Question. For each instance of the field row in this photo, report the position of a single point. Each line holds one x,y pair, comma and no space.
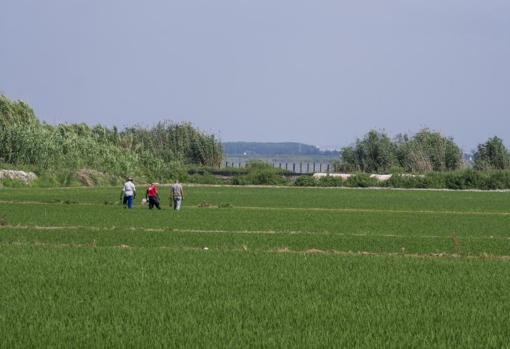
232,242
277,197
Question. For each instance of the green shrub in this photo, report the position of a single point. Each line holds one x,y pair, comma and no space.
157,153
240,180
330,181
467,179
361,180
260,173
456,180
45,181
305,181
425,151
492,155
497,180
13,183
435,180
407,181
205,178
208,170
264,177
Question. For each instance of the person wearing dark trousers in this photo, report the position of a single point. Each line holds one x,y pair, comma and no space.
128,193
152,196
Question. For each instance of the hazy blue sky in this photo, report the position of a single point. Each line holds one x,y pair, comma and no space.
319,71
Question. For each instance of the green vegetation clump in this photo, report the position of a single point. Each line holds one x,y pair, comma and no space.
206,178
492,155
361,180
305,181
496,180
409,181
424,152
12,183
465,179
77,154
260,173
159,153
330,182
461,179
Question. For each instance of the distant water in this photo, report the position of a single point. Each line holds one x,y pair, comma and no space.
294,163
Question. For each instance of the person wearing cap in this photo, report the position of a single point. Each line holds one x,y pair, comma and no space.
177,195
128,193
152,196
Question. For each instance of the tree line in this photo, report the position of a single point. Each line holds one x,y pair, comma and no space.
159,152
426,151
167,149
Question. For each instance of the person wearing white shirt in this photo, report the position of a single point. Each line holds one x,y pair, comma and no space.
128,193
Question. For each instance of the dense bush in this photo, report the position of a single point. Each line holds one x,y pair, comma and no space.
224,171
497,180
12,183
428,151
424,152
408,181
206,178
305,181
361,180
259,172
461,180
492,155
373,153
465,179
160,152
330,181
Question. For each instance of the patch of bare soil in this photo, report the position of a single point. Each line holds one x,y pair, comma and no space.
85,177
315,250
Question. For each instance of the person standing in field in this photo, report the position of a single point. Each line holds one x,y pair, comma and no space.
128,193
152,196
177,195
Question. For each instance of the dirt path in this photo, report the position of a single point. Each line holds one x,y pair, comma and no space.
285,250
222,231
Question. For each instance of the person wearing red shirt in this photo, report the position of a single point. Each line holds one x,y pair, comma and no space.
152,196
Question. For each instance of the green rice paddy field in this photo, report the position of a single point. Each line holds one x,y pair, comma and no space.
255,267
